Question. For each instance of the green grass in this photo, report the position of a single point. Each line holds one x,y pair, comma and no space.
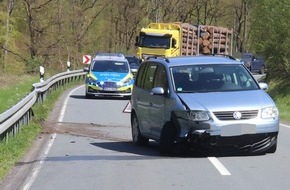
17,146
280,92
15,149
14,88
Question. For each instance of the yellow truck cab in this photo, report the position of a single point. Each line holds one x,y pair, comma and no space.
159,39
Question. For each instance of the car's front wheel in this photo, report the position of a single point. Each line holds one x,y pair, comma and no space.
89,96
166,143
273,146
137,137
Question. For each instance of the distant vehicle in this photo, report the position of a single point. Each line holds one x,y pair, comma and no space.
109,75
199,101
134,63
255,64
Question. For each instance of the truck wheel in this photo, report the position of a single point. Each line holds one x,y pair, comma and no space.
137,137
166,143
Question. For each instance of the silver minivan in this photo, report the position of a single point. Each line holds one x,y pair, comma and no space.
210,101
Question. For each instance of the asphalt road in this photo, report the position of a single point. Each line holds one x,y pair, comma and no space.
89,147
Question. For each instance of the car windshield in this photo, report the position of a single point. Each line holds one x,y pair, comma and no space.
133,62
110,66
208,78
247,56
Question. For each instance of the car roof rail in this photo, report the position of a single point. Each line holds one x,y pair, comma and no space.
157,57
223,55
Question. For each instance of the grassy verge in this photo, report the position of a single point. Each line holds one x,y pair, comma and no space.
13,88
279,91
13,151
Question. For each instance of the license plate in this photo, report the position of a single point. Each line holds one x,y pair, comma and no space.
238,129
110,89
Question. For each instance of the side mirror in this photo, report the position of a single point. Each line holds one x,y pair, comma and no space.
137,41
263,85
173,42
86,69
157,91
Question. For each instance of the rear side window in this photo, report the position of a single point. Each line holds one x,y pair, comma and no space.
140,75
149,77
161,78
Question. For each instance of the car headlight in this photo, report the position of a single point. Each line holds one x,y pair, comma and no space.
124,83
198,116
92,81
270,112
120,83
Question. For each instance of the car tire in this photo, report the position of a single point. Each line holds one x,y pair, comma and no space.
137,137
166,142
89,96
273,147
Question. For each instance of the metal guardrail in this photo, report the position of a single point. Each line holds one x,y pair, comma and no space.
20,114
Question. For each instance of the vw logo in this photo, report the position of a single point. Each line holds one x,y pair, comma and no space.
237,115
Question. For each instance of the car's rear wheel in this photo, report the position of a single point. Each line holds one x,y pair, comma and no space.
166,143
137,137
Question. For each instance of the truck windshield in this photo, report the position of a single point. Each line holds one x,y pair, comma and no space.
154,41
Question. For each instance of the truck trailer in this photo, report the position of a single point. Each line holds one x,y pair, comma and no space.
183,39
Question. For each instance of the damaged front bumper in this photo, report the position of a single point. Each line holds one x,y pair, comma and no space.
248,143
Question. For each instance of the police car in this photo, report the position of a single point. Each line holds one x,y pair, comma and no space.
109,75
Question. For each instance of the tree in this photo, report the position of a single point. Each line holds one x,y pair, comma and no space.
126,19
270,35
78,26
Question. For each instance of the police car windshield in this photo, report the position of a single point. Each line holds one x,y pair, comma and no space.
110,66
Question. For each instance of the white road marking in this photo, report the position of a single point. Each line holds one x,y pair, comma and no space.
127,109
219,166
62,111
36,170
283,125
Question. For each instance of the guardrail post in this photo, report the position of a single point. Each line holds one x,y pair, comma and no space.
41,73
68,65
